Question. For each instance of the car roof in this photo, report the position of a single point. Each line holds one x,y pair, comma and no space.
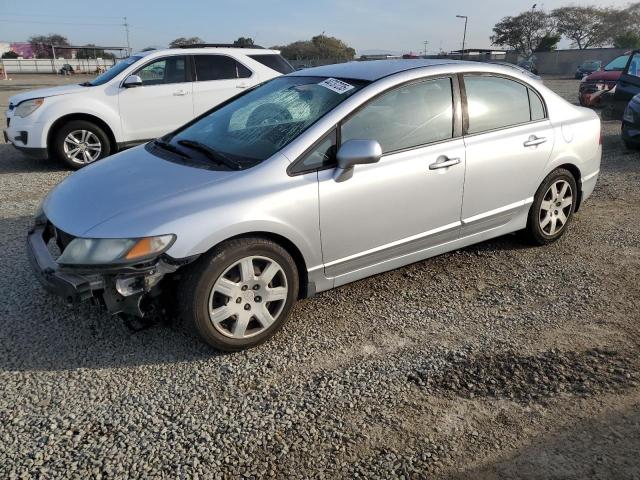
373,70
196,50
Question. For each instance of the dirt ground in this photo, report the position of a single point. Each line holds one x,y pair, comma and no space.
497,361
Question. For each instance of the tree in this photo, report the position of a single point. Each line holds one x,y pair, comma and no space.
585,26
182,41
523,32
41,44
10,54
244,42
93,52
627,39
319,47
548,43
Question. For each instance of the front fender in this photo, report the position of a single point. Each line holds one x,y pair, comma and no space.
67,105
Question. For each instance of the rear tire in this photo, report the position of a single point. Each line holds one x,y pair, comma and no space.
240,294
79,142
552,208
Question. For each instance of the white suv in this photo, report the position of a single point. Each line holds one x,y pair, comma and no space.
141,97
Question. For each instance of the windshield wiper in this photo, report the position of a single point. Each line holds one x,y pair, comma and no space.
86,84
211,153
170,147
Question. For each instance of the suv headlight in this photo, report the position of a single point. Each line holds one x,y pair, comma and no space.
27,107
105,251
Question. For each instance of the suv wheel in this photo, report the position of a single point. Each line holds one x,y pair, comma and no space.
553,207
240,294
79,143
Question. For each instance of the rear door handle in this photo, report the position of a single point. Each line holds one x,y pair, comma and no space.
179,93
242,85
444,162
533,141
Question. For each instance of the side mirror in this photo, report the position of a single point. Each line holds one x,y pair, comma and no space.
355,152
132,81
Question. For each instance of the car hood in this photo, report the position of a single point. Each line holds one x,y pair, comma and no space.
130,180
602,75
47,92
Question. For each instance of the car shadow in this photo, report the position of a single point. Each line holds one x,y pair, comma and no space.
603,447
41,333
13,161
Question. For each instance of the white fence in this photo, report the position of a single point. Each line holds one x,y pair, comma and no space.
49,65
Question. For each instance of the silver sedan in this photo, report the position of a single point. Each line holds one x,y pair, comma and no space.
314,180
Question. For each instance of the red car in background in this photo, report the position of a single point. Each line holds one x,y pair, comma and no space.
594,85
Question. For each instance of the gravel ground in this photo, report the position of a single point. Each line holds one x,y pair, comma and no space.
497,361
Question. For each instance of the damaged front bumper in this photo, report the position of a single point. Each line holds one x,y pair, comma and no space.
121,289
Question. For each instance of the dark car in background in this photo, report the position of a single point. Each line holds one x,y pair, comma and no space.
529,65
599,83
627,87
587,68
631,124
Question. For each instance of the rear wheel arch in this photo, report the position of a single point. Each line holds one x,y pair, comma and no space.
575,171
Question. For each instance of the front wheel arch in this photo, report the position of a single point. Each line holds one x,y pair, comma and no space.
305,289
55,126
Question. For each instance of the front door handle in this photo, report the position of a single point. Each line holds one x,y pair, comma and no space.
242,85
179,93
533,141
444,162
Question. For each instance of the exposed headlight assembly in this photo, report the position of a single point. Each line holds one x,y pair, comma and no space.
26,108
106,251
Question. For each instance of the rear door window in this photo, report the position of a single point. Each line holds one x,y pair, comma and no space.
274,62
495,102
219,67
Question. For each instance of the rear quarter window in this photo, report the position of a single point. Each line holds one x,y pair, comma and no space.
274,62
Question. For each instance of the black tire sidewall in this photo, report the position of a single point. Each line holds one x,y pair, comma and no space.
533,225
62,132
196,288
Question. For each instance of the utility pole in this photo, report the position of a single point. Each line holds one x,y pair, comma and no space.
425,47
126,29
464,35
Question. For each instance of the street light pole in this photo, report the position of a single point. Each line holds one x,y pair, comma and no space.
464,35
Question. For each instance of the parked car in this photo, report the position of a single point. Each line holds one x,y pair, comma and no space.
627,86
139,98
314,180
518,68
599,83
66,69
529,65
631,124
587,68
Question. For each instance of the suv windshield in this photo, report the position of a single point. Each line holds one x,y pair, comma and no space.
113,71
254,126
617,64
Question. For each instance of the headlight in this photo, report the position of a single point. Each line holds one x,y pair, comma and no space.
103,251
27,107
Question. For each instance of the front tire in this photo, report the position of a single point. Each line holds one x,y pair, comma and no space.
552,208
79,143
240,294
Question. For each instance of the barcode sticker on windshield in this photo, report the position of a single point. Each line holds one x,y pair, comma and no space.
336,85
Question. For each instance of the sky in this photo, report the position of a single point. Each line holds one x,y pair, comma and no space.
366,25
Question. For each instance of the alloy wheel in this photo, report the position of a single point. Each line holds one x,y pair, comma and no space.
82,146
555,208
248,297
